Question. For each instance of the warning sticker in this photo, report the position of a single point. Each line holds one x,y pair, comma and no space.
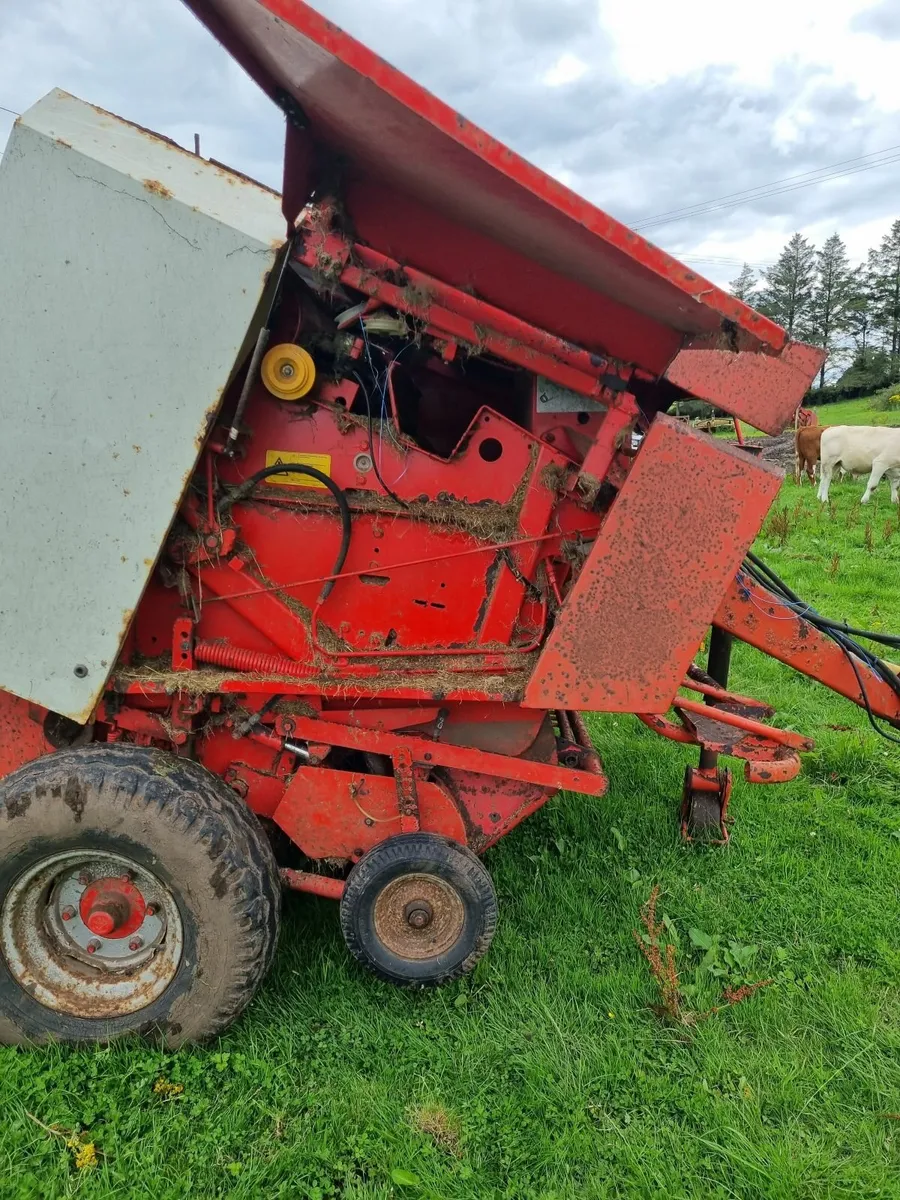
277,458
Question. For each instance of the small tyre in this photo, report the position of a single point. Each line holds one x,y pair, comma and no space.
138,894
419,910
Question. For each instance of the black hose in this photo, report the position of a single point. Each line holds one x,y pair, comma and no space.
246,488
886,639
842,634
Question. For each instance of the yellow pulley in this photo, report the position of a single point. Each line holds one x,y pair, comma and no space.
288,371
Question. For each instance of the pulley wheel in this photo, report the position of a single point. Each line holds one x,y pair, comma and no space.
288,372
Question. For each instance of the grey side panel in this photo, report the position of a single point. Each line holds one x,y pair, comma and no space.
130,272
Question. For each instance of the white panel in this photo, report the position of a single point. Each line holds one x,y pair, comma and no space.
130,274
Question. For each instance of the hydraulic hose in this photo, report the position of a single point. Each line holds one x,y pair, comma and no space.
248,486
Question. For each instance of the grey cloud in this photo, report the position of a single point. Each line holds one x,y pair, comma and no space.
883,20
635,151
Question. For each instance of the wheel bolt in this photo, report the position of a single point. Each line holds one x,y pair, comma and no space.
135,943
151,910
93,947
127,877
84,879
68,913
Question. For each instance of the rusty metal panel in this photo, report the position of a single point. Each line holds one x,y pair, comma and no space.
655,577
757,388
130,274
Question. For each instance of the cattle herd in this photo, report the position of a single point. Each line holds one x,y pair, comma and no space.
857,450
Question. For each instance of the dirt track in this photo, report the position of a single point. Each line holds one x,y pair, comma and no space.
778,449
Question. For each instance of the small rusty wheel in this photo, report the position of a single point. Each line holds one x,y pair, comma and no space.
419,910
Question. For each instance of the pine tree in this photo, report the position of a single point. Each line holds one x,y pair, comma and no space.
745,285
789,285
860,309
834,291
885,284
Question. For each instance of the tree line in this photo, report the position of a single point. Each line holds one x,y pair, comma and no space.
852,312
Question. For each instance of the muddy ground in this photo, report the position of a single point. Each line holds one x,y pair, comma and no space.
779,450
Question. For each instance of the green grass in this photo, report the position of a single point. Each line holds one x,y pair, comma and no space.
547,1074
843,412
856,412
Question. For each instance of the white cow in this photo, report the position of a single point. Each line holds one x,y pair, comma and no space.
859,449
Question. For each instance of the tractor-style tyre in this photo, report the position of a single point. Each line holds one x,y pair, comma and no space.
138,894
419,910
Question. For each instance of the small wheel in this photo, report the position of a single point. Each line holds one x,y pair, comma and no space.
138,894
419,910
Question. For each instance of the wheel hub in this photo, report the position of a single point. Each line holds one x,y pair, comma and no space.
91,934
419,916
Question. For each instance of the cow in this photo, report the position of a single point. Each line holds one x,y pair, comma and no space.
808,440
861,448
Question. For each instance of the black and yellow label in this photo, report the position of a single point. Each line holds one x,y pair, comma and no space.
277,458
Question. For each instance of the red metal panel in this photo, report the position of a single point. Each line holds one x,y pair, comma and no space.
390,130
761,390
674,538
341,814
21,732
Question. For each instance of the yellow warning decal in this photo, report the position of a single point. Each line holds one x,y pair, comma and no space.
277,458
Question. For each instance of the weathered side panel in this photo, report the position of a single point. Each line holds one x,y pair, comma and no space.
654,579
130,271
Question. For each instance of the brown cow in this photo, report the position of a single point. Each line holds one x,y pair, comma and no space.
809,449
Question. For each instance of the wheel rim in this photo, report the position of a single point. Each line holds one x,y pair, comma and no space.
419,916
91,934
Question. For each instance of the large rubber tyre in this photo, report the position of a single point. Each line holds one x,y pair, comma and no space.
178,824
445,880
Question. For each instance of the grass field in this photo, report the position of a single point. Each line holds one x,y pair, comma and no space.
547,1074
843,412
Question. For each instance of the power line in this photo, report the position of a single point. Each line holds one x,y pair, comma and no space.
643,227
11,111
725,262
763,191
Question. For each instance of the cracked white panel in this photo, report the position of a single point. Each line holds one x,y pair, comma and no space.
130,275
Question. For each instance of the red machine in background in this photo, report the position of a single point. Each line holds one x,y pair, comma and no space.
420,541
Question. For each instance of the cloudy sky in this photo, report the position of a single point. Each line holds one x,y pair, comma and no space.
639,107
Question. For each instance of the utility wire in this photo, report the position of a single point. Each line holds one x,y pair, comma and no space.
12,112
764,191
774,183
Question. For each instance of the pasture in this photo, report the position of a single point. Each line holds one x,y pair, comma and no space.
548,1074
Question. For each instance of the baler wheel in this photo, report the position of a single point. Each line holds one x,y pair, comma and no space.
419,910
138,894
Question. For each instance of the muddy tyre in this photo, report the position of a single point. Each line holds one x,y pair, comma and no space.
138,894
419,910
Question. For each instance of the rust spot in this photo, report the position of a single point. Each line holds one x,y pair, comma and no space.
63,142
157,188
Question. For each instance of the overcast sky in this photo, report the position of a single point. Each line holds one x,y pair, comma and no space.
639,106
